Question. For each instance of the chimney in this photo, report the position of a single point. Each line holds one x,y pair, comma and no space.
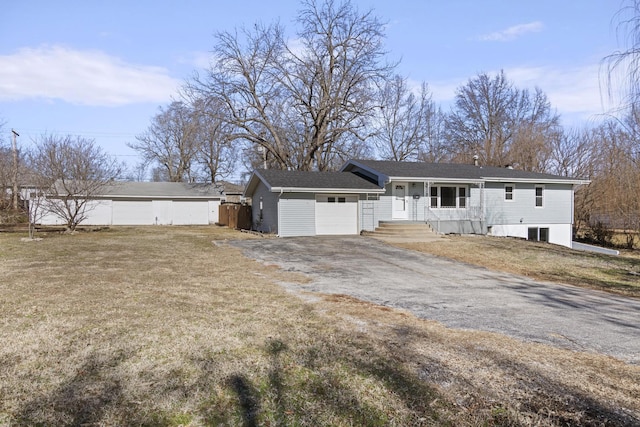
475,160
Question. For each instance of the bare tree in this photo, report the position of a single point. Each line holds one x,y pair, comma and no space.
71,171
170,142
303,102
5,169
436,148
612,200
623,66
536,126
501,124
572,154
216,155
405,121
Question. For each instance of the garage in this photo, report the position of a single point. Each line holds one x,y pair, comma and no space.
132,212
306,203
152,203
190,212
336,214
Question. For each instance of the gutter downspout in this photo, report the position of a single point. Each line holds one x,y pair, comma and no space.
279,216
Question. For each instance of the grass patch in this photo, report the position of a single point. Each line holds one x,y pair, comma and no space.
160,326
617,274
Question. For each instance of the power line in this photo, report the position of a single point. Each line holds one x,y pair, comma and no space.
102,134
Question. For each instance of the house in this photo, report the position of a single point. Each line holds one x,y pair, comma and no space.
452,198
151,203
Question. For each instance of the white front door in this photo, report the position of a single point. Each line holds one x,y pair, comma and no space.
400,200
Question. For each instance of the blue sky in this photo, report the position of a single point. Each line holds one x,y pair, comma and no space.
101,69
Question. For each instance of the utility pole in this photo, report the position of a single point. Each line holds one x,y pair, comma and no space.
15,170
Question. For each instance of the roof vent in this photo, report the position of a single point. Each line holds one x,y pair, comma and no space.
475,160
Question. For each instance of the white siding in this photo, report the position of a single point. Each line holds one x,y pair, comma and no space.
296,215
214,211
132,212
145,212
98,212
162,212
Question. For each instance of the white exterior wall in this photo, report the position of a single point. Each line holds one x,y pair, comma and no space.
132,213
162,212
214,211
145,212
98,212
559,234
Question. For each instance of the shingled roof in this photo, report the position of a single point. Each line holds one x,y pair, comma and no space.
303,180
177,190
449,171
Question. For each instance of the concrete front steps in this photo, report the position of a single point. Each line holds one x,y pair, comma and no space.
405,231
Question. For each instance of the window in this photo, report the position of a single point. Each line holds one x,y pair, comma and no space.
448,197
434,197
538,234
331,199
462,197
508,192
342,200
544,235
539,196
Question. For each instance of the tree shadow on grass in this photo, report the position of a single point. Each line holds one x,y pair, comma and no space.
558,402
248,399
540,396
82,400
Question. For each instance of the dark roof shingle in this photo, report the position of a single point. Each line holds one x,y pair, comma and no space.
451,171
320,180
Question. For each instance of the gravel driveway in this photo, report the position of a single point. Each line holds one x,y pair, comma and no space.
457,294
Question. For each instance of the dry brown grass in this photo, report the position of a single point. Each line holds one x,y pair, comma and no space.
618,274
158,326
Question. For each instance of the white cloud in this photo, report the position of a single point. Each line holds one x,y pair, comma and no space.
201,60
513,32
575,92
87,77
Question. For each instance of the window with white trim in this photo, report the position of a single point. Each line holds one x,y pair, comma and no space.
539,196
508,192
433,197
448,197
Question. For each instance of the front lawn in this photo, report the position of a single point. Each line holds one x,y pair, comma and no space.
160,326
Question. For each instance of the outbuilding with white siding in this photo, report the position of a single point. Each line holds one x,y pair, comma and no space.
150,203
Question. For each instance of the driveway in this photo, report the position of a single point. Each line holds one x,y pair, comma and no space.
457,294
